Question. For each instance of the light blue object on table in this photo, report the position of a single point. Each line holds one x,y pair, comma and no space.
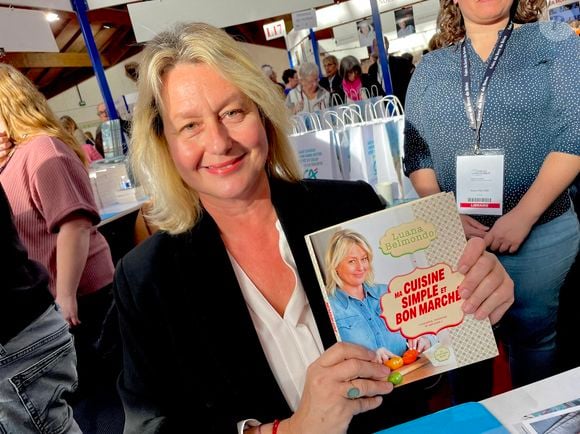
468,418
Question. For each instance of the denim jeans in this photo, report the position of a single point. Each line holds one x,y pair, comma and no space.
538,270
37,371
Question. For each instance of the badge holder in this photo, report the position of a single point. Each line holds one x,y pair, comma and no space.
479,181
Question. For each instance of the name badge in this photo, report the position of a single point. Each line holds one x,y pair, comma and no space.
480,183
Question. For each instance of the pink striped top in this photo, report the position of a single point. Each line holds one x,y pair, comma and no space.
45,182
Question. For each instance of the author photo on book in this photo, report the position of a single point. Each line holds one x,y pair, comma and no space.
355,299
223,301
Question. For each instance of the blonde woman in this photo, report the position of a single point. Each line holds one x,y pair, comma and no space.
46,181
210,146
355,298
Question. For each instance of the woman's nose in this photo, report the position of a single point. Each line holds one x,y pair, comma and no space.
218,140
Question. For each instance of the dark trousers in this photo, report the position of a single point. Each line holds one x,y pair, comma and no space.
92,309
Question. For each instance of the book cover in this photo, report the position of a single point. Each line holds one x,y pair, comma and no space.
389,283
566,421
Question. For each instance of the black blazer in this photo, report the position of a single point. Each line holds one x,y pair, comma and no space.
186,329
334,87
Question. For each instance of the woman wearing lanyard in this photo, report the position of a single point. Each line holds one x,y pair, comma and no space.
493,117
308,96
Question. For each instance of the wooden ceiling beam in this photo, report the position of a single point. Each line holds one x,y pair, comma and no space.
51,60
68,34
115,17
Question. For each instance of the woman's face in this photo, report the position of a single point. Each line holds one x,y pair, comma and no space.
215,134
310,83
354,267
293,81
484,12
351,75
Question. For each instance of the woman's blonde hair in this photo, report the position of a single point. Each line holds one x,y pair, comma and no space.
338,247
451,28
175,205
26,112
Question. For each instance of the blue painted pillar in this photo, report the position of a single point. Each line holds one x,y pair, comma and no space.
383,55
314,43
80,7
290,62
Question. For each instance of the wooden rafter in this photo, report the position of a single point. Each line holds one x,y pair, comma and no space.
50,60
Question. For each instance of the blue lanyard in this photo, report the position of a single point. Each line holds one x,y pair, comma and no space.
475,114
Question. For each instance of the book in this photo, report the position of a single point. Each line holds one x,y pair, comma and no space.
467,418
410,285
565,421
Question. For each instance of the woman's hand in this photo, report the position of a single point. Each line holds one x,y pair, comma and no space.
420,344
509,231
325,406
383,354
472,227
486,290
69,309
5,144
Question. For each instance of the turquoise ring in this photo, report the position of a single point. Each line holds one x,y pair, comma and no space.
353,393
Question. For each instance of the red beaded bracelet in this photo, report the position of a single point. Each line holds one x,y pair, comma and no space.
275,426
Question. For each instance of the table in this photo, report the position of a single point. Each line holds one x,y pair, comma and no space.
510,407
114,212
118,227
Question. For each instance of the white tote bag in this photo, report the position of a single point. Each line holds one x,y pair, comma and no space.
316,152
389,111
361,149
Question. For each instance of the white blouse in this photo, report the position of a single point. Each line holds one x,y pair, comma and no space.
290,343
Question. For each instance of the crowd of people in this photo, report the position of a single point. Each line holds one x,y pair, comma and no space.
209,145
345,82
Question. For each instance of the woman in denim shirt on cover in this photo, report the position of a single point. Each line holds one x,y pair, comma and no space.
355,299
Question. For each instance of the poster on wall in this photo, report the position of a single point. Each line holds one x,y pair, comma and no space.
366,32
565,11
405,21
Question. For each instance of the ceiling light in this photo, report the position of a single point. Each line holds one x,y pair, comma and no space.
51,17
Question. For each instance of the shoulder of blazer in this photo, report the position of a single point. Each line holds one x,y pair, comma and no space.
320,203
164,251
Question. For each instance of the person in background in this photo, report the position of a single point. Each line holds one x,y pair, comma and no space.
357,86
271,74
366,33
89,138
308,96
46,181
405,27
536,232
290,79
104,117
71,126
37,355
400,71
332,82
210,145
355,299
407,56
